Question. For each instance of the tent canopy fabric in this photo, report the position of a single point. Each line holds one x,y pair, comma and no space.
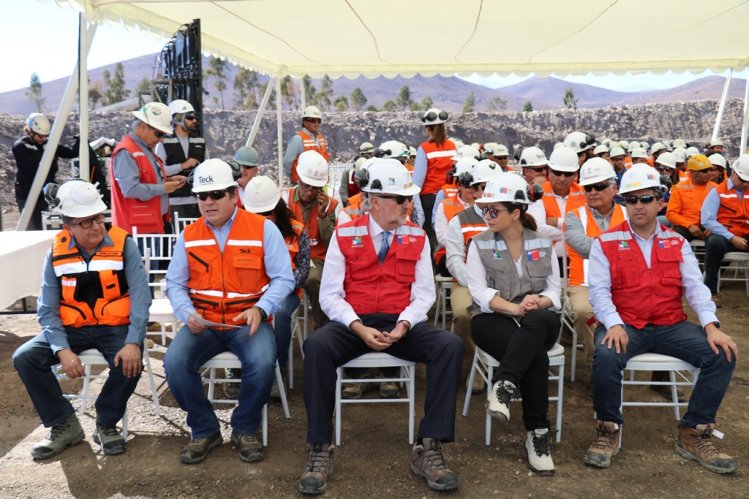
396,37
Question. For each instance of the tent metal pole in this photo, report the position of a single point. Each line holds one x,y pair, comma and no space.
260,113
303,90
83,160
66,105
745,123
722,104
279,126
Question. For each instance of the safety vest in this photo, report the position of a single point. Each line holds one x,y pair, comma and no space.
575,199
687,198
578,275
224,284
450,190
93,293
309,144
293,246
371,287
439,162
640,294
452,206
132,212
354,209
683,176
318,249
471,224
175,154
733,213
501,272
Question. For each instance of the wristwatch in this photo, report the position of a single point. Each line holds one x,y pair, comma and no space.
717,324
263,314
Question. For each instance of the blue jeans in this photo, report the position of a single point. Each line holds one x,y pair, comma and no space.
189,351
283,328
34,359
683,340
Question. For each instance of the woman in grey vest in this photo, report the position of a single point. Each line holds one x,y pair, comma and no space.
513,277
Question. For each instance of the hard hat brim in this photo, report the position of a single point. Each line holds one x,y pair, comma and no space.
310,181
142,117
214,187
84,211
263,208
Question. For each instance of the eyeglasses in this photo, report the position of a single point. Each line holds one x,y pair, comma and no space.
602,186
158,133
215,195
308,187
398,199
431,116
644,199
492,212
190,117
313,120
479,187
88,222
565,174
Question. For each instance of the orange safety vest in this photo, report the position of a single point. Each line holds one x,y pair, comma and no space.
84,303
131,212
309,144
575,199
685,202
439,162
683,176
452,206
354,210
450,189
640,294
733,214
224,284
578,275
318,249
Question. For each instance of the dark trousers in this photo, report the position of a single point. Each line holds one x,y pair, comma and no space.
34,359
521,352
427,204
683,232
334,344
716,248
35,222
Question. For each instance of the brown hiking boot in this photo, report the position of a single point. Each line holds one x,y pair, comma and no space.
716,300
428,463
605,446
695,444
319,466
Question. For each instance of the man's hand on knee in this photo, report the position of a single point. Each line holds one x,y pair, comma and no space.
130,358
616,337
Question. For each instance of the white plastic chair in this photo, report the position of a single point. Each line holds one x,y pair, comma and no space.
181,222
442,308
484,364
377,360
698,248
737,261
227,360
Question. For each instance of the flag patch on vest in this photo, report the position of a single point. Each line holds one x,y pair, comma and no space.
534,255
356,242
623,245
664,243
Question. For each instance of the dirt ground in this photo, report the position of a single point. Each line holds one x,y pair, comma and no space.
373,460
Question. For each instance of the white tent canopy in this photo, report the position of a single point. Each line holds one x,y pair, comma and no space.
397,37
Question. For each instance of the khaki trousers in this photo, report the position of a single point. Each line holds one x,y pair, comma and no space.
582,313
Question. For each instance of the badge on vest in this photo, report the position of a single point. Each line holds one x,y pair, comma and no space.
356,242
664,243
497,255
535,255
623,245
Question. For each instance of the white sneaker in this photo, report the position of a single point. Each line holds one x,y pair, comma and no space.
498,401
538,447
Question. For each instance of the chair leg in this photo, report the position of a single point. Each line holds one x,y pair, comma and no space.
282,391
338,405
560,402
674,395
124,425
290,364
265,425
84,390
411,388
469,383
488,422
152,383
573,356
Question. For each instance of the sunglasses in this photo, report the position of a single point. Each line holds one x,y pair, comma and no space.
431,116
644,199
87,223
158,133
190,117
598,187
563,174
537,169
398,199
215,195
492,212
479,187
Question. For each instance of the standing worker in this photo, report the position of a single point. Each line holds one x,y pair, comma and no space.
308,138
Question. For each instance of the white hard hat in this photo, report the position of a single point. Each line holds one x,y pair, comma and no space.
563,159
658,146
666,159
366,147
680,154
157,115
679,143
465,165
411,151
261,195
180,106
624,144
312,168
718,160
311,112
457,142
715,142
634,145
741,167
691,151
506,187
579,141
485,170
434,116
38,123
78,199
557,145
500,150
616,151
212,175
639,152
389,176
600,149
640,176
596,170
466,151
533,156
393,149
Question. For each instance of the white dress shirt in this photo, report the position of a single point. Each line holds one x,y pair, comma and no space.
538,211
440,221
456,249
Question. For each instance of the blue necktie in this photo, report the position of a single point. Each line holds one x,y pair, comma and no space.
384,247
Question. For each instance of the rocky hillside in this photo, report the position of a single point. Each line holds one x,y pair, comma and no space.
226,131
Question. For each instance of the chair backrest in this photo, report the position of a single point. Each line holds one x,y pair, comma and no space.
156,250
181,222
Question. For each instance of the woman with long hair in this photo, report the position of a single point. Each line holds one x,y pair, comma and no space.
513,277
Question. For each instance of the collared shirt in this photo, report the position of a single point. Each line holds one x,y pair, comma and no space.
483,295
709,211
599,282
333,297
440,219
538,211
126,174
455,249
420,167
275,257
160,151
575,234
294,148
48,303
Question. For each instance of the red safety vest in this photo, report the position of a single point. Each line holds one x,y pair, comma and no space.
131,212
112,307
733,214
452,206
575,199
640,294
372,287
439,162
578,275
309,144
318,249
223,285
